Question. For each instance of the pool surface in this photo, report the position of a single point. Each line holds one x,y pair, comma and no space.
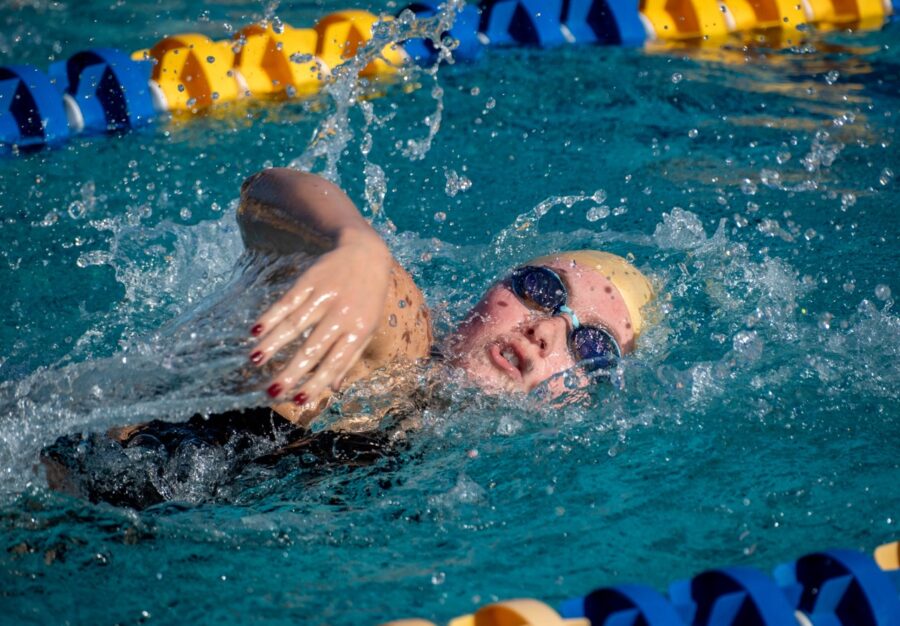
758,419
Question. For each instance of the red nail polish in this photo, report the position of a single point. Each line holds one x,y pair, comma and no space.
300,398
256,331
256,357
274,390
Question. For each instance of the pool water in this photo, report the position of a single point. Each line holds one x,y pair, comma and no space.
757,421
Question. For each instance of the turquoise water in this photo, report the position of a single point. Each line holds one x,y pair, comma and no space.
757,421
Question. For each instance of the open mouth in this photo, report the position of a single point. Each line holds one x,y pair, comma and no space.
508,360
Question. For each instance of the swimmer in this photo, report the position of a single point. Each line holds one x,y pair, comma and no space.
360,313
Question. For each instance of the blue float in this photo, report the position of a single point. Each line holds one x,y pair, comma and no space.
734,596
109,89
465,31
841,588
31,110
623,605
605,21
524,22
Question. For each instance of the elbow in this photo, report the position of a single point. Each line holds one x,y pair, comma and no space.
284,187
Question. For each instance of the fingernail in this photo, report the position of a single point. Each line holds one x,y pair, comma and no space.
300,398
256,357
256,331
274,390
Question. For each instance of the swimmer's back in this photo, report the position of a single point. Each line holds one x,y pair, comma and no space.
140,467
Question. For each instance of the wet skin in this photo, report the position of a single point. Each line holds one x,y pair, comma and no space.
365,312
504,345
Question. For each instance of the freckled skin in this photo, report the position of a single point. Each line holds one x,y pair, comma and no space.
409,339
500,318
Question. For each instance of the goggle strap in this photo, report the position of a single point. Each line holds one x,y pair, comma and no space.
565,309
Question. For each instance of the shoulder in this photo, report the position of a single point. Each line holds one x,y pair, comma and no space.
405,329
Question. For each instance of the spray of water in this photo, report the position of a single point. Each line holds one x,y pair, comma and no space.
190,292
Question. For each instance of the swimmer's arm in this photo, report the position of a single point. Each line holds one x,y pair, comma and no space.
288,211
361,308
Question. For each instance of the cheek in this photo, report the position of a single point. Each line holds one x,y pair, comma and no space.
496,313
554,363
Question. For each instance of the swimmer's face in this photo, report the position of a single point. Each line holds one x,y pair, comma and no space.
504,345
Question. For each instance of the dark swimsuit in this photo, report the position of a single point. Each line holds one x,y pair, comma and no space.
99,468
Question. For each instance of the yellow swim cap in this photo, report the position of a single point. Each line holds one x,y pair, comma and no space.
634,286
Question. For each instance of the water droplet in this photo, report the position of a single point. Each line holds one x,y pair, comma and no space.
456,183
438,578
692,133
210,59
847,200
596,213
95,257
748,187
440,216
677,77
490,104
77,209
882,292
180,87
392,320
886,175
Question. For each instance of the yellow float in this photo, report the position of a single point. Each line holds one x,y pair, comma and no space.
342,33
271,62
685,19
750,14
524,612
888,556
192,72
865,13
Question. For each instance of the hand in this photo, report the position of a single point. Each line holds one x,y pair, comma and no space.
340,299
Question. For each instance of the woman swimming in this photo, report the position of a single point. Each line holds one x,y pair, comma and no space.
354,312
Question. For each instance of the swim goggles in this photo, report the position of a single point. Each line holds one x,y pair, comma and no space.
541,288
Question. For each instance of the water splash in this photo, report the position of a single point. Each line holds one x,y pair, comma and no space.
346,92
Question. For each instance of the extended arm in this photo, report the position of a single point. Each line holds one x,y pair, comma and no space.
344,299
286,211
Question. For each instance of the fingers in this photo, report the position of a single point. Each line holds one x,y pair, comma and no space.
289,303
310,354
306,315
340,358
329,363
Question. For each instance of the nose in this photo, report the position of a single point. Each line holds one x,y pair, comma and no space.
547,334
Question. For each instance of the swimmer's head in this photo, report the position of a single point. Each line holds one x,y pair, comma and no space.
509,342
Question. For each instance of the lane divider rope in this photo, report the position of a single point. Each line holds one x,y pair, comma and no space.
103,89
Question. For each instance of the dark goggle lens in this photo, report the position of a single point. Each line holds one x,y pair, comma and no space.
539,286
594,347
